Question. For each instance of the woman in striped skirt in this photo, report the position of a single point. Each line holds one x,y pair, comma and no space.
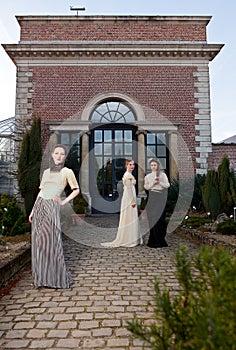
48,263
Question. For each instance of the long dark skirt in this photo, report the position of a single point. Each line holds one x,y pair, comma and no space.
155,209
48,263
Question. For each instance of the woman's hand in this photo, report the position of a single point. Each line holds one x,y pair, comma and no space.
58,199
133,204
30,218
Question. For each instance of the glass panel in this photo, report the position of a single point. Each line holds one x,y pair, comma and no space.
129,117
106,161
98,149
118,149
108,191
108,172
120,119
112,116
98,135
114,111
150,138
113,106
123,108
102,109
96,117
119,163
106,118
162,162
161,151
107,148
128,135
161,139
118,135
151,151
98,162
128,149
107,136
65,138
74,138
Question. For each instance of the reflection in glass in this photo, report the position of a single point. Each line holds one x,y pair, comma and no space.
118,135
107,148
128,149
74,138
150,138
161,151
98,149
161,139
107,136
128,135
151,151
99,162
98,135
118,149
65,138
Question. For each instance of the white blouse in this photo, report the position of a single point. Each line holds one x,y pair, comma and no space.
149,184
54,183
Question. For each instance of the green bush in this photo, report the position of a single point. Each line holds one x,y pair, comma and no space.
79,204
202,316
195,221
227,227
12,218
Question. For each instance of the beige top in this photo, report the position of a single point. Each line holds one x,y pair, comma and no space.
149,184
54,183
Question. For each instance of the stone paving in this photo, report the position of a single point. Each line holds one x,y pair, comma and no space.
110,287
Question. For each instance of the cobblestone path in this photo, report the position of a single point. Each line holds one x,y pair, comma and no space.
111,286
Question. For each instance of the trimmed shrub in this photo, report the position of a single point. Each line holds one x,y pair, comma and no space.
227,227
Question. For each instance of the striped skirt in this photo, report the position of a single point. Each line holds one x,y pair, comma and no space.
48,263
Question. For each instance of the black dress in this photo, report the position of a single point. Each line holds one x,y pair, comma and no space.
155,209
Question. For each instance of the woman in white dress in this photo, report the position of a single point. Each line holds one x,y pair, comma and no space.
129,234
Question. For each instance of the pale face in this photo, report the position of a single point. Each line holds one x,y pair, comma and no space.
154,166
58,155
130,166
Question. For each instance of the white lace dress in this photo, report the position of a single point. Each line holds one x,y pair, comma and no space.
128,234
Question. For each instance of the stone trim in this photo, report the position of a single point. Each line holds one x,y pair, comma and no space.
203,118
90,52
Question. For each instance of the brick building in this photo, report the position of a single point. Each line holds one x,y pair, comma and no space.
111,87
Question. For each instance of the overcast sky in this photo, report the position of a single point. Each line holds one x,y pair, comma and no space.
220,30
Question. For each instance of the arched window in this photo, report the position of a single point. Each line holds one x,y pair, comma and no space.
112,112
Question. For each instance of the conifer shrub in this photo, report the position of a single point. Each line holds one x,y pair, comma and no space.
225,186
211,194
227,227
202,315
29,165
12,218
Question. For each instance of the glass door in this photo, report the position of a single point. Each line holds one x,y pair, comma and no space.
110,146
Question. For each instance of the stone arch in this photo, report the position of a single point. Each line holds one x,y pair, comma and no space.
137,108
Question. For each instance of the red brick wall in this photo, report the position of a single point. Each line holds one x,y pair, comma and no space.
76,28
219,151
63,92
